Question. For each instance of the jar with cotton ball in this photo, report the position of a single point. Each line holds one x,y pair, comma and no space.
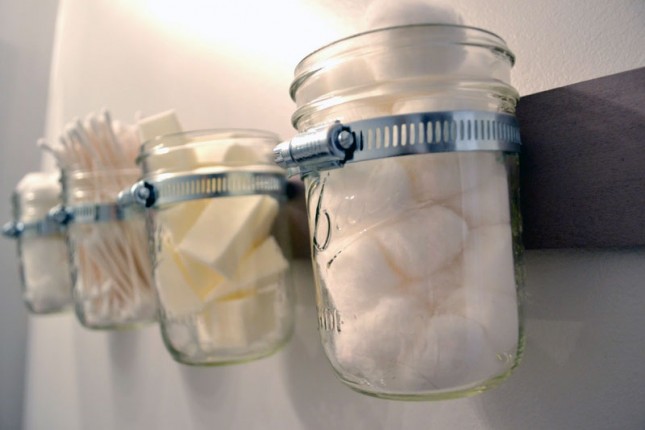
219,241
411,171
42,251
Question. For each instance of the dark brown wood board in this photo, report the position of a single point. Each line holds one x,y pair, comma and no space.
583,164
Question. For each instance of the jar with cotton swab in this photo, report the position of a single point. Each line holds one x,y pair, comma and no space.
219,241
408,149
42,251
111,267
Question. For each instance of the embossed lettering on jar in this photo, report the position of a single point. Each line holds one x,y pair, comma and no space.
417,251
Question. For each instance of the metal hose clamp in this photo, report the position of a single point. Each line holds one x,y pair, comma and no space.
17,229
156,192
332,146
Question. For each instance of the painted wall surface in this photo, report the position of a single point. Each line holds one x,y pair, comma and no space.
232,68
26,30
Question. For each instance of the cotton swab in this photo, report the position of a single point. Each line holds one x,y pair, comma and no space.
115,275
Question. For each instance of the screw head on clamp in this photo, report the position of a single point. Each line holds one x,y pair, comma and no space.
345,139
144,193
60,215
11,230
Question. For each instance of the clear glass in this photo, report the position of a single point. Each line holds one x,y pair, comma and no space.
43,264
221,265
417,259
111,268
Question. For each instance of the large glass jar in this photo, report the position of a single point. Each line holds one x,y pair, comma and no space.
219,243
111,268
42,251
415,226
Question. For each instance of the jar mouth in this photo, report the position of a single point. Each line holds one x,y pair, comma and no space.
364,41
369,71
192,151
169,141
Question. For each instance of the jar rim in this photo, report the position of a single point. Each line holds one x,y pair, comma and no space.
159,142
78,173
308,65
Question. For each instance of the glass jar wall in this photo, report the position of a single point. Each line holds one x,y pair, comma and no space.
219,243
42,251
417,258
111,267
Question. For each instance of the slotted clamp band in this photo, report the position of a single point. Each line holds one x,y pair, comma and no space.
332,146
154,193
16,229
91,213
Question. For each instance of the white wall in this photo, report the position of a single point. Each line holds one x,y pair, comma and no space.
582,367
26,33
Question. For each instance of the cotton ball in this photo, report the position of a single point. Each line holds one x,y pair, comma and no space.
496,313
433,177
342,79
439,285
487,204
362,194
376,345
453,352
46,274
488,259
38,192
390,13
434,51
358,276
476,167
438,177
440,101
423,240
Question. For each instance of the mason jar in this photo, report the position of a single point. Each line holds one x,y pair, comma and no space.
111,268
408,149
219,243
42,252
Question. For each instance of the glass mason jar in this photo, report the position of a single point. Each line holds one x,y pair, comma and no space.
219,244
408,149
42,251
111,268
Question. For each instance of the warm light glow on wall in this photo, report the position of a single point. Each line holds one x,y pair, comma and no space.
284,30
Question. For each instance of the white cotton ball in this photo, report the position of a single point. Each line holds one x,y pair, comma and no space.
343,79
439,177
47,278
389,13
358,276
439,285
496,313
440,54
433,177
422,241
440,101
488,259
475,168
486,204
454,352
376,345
360,195
38,192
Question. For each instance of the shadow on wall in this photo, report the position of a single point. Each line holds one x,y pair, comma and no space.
318,397
582,366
